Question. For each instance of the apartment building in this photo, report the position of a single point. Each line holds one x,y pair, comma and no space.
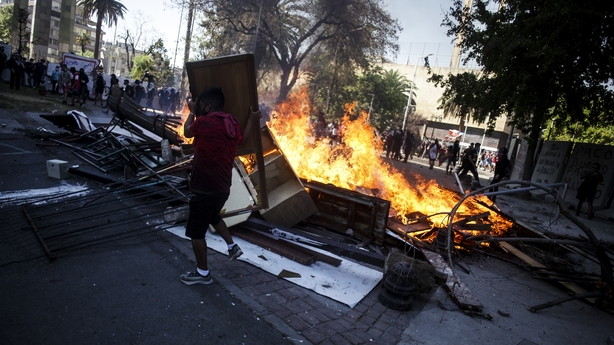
54,26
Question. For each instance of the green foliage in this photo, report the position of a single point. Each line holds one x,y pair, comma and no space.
142,63
289,32
160,64
83,40
23,33
6,20
562,129
328,79
389,90
540,59
108,11
155,61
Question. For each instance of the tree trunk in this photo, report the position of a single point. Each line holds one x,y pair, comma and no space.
284,90
186,51
98,34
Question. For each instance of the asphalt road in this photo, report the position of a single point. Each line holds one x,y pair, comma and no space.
123,292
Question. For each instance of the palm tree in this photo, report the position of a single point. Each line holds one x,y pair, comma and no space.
105,10
83,40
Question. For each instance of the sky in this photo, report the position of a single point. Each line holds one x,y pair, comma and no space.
420,19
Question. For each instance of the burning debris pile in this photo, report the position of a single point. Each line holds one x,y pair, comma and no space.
354,192
355,163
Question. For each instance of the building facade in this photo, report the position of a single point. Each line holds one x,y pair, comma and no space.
427,100
53,27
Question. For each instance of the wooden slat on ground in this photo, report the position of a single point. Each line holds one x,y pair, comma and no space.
289,250
534,263
459,291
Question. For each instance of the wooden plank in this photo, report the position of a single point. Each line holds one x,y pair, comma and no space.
462,296
534,263
282,248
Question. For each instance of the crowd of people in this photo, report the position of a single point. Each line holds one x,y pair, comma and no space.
403,146
73,83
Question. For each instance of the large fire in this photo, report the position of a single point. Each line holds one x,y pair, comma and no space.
356,162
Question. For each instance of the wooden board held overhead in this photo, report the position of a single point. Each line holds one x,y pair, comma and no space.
236,76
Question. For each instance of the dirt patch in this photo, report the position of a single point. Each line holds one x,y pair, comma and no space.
27,99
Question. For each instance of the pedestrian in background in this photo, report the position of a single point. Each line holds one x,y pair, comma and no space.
588,188
55,78
433,152
216,137
65,83
15,64
502,170
3,60
28,69
128,89
99,88
468,163
85,90
139,92
38,73
453,151
408,146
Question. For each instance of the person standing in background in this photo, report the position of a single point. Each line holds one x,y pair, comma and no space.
588,188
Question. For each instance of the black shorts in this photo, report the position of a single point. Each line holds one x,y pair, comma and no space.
204,211
586,195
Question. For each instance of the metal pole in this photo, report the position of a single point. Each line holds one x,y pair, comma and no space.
411,90
370,105
177,42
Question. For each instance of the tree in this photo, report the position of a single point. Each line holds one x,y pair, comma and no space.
388,89
83,40
540,59
108,11
288,32
142,63
160,65
23,33
6,20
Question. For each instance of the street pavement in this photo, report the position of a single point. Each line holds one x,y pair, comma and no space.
129,291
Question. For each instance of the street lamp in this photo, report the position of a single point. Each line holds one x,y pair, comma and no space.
370,105
411,91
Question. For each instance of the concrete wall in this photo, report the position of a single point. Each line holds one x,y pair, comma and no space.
41,23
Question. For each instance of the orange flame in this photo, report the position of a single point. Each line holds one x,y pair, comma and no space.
356,162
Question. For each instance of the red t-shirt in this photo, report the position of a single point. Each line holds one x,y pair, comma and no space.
216,137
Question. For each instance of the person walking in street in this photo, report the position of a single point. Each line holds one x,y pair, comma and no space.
216,137
55,78
502,170
99,85
453,151
28,69
65,83
397,144
75,86
84,89
151,93
15,64
128,89
588,188
468,163
433,152
408,146
139,92
38,72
